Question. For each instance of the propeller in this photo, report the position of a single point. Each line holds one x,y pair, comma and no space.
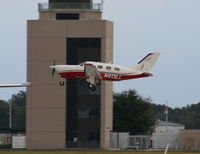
53,67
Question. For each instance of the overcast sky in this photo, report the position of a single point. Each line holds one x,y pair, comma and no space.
171,27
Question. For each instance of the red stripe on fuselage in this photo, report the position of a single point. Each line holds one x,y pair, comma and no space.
72,75
105,76
117,77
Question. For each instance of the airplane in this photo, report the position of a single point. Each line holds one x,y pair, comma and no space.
26,84
93,72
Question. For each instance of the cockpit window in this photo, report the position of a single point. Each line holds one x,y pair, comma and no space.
82,64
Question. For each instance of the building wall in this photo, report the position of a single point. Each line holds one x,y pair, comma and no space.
160,140
83,105
190,139
139,141
161,129
119,140
46,100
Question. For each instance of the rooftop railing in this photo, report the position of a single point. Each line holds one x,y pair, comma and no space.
70,6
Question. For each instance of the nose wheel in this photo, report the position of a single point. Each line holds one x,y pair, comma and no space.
62,83
92,87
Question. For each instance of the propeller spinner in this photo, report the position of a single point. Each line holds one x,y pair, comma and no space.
53,67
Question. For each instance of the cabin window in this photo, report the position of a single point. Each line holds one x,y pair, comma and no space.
100,66
108,68
116,69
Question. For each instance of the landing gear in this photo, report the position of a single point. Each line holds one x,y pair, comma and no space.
92,87
62,83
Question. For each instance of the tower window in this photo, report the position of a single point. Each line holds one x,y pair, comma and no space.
67,16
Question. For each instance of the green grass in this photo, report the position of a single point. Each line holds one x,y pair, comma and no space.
91,152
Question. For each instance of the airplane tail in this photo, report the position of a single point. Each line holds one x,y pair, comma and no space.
146,64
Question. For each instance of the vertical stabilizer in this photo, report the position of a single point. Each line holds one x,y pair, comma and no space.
146,64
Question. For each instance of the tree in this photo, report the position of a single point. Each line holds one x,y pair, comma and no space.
18,102
4,114
132,113
189,115
19,99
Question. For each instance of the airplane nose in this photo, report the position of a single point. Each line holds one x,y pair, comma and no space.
52,67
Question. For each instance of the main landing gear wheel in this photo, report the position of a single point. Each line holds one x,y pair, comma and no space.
62,83
92,87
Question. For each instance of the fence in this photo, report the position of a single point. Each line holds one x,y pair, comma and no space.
6,137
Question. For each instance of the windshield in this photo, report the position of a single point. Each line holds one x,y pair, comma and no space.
82,64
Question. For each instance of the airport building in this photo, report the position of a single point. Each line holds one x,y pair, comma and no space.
69,116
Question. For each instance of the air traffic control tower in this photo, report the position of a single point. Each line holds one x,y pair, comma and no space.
70,116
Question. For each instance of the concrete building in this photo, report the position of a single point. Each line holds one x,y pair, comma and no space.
166,133
119,140
163,126
160,140
70,116
190,139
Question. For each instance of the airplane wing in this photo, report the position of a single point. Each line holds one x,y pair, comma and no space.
92,74
27,84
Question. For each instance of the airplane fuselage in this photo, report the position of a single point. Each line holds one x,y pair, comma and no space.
109,72
93,72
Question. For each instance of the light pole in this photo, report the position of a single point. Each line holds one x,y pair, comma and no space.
167,114
10,115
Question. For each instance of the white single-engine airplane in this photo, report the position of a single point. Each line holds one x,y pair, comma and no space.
93,72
